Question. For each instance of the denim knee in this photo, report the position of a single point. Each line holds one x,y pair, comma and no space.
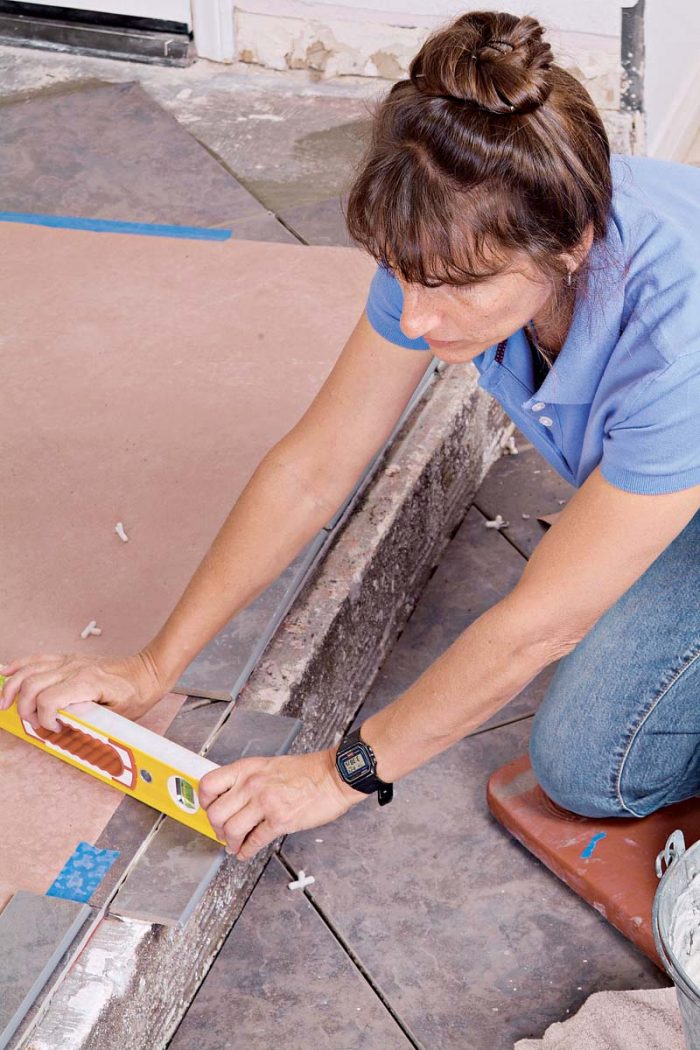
567,777
622,753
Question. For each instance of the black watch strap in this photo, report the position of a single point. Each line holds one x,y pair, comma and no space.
357,765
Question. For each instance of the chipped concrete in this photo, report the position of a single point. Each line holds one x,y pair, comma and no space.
131,984
627,133
332,47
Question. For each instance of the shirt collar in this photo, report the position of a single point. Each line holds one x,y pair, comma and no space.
595,328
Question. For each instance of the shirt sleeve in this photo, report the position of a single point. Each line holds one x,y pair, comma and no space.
656,447
384,305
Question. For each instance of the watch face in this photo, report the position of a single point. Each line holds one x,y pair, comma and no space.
355,763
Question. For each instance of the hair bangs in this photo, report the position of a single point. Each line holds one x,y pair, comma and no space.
427,230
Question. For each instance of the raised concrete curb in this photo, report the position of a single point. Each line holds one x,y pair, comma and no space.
131,983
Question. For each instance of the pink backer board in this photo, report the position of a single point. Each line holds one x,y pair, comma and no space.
142,380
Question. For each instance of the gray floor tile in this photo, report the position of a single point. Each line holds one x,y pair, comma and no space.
522,484
470,940
126,831
35,932
264,227
170,878
478,568
220,669
281,979
109,151
247,733
286,151
172,875
318,222
133,821
195,721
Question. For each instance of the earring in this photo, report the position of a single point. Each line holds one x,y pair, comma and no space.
568,278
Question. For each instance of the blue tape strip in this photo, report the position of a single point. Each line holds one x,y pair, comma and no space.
82,873
588,852
150,229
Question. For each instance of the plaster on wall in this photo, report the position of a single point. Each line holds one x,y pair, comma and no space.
339,47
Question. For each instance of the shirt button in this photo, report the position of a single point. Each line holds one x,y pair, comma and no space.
545,421
538,406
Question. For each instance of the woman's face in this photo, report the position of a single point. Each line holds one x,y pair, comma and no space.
461,322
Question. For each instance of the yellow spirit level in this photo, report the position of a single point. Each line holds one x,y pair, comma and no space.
124,755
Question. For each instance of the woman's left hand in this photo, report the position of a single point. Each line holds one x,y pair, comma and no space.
251,802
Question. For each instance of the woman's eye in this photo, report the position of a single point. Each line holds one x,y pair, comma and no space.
464,291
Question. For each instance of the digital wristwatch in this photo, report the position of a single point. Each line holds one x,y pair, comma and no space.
357,766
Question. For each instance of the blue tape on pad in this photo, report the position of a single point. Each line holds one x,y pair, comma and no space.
150,229
82,873
588,852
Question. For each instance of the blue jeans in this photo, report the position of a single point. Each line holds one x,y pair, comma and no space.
618,731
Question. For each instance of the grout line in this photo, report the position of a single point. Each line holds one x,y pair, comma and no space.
501,725
229,170
502,532
291,229
231,224
353,958
202,701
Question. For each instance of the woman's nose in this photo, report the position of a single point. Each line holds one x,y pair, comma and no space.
417,316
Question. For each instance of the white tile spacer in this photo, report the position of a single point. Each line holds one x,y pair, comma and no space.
509,446
119,529
497,523
91,628
302,882
526,516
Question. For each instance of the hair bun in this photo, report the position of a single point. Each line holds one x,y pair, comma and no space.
495,61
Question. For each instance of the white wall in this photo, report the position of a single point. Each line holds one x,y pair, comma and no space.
599,17
167,10
672,75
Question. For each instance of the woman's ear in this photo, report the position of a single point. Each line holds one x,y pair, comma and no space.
573,259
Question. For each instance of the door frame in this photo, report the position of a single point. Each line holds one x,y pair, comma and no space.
212,27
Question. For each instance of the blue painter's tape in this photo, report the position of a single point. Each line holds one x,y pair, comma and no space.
149,229
588,852
82,873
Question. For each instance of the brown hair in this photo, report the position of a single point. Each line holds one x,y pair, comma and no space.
488,147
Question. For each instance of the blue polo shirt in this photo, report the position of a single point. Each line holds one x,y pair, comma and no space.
624,390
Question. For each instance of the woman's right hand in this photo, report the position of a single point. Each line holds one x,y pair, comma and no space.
44,683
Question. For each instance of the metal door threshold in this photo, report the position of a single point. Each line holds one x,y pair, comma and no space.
93,33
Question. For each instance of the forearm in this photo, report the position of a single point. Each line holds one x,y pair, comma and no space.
274,517
487,665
